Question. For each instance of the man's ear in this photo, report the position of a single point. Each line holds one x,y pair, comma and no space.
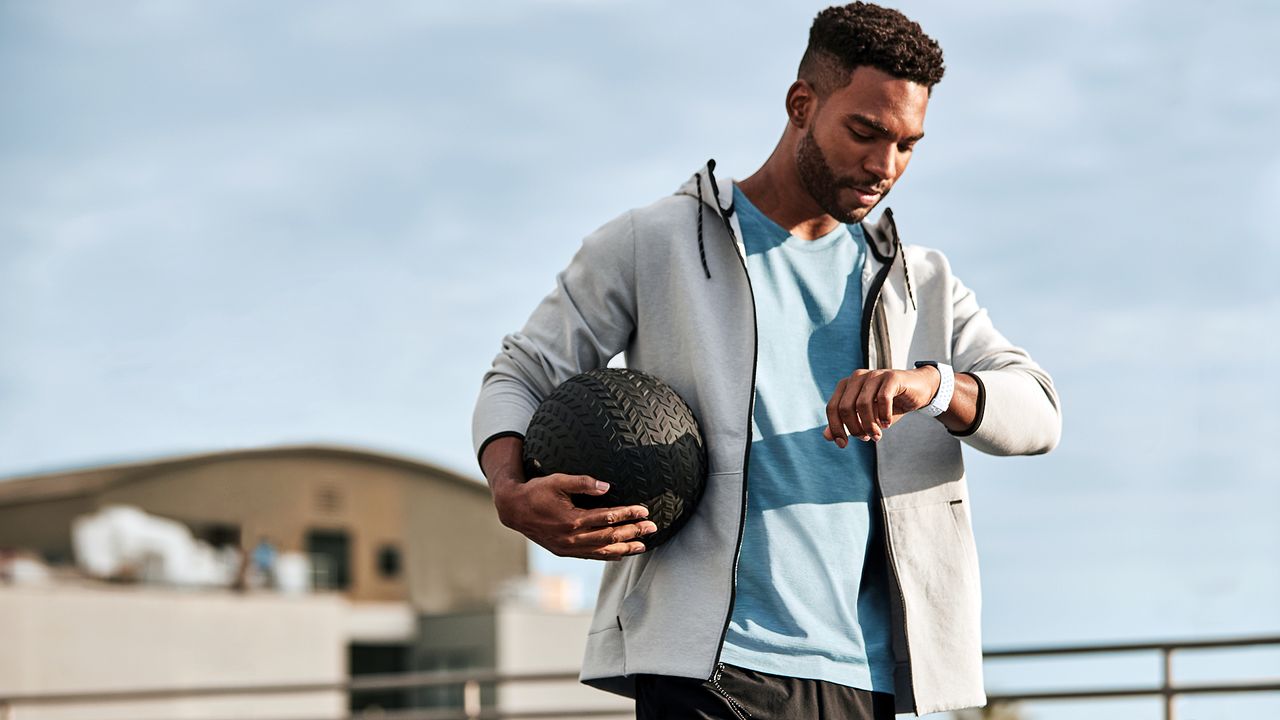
802,103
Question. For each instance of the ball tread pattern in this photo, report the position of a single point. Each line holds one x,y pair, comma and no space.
631,430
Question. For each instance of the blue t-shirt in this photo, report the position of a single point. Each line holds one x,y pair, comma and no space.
811,598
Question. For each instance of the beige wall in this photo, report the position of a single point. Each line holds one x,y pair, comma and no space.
284,498
533,640
62,640
42,526
454,552
461,551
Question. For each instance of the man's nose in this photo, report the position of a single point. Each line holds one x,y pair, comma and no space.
883,162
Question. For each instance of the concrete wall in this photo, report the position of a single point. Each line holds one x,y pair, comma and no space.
63,639
455,641
533,640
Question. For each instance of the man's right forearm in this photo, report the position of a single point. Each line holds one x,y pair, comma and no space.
503,464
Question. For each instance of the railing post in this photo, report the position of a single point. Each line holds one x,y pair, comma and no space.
1166,682
471,699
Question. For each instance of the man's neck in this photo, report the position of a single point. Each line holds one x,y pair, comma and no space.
776,191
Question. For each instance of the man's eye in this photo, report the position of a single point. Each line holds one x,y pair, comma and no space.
906,148
860,136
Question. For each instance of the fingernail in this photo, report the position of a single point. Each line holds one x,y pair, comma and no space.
602,486
841,442
650,528
644,512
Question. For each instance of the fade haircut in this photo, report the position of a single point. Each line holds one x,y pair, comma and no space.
861,34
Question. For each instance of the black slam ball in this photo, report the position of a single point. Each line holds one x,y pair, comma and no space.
629,429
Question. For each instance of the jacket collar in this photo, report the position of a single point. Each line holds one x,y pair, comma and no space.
882,236
717,193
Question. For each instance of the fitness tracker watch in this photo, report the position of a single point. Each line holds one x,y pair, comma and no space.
946,388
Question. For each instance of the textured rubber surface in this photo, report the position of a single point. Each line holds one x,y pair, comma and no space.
629,429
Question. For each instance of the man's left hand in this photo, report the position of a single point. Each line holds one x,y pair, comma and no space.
869,401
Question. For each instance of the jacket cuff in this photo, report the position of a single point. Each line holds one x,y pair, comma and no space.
491,438
504,408
977,416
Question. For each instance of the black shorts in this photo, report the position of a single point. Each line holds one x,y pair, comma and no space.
736,693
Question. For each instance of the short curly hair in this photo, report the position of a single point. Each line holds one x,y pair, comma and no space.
862,34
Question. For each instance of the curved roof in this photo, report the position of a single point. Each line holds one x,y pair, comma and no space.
70,483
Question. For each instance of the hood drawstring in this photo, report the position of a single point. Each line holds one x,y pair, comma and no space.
900,250
702,250
725,213
906,274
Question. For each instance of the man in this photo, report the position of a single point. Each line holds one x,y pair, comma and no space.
845,582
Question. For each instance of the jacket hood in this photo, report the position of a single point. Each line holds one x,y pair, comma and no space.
717,194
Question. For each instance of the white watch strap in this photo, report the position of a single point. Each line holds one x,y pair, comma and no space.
946,388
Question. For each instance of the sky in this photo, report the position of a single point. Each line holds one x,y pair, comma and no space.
236,224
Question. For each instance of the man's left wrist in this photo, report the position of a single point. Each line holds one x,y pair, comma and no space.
941,400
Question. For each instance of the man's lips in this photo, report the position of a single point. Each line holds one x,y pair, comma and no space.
866,196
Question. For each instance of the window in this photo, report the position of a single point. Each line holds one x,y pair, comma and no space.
389,561
378,660
330,555
220,534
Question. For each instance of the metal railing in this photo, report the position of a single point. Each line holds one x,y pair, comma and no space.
1168,690
471,681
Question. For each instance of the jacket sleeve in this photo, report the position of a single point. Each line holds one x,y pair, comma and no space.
1018,408
585,321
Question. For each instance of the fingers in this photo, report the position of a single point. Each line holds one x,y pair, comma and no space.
613,543
842,409
546,514
874,404
862,406
613,553
605,534
882,407
835,422
604,517
584,484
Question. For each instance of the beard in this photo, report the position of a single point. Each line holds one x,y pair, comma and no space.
824,187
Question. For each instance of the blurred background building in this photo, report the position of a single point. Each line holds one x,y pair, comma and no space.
404,569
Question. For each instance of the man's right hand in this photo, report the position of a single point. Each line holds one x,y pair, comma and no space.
542,510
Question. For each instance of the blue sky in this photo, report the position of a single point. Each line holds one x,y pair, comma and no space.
235,224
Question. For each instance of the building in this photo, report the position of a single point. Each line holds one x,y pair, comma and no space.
411,571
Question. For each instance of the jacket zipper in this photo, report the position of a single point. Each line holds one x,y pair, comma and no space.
746,454
877,285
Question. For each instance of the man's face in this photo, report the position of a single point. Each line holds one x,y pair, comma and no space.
858,142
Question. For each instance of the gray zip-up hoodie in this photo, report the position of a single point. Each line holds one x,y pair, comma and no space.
667,285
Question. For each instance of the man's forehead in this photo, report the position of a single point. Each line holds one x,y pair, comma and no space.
882,102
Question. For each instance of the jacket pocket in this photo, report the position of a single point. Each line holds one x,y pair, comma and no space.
936,562
964,530
617,582
671,566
